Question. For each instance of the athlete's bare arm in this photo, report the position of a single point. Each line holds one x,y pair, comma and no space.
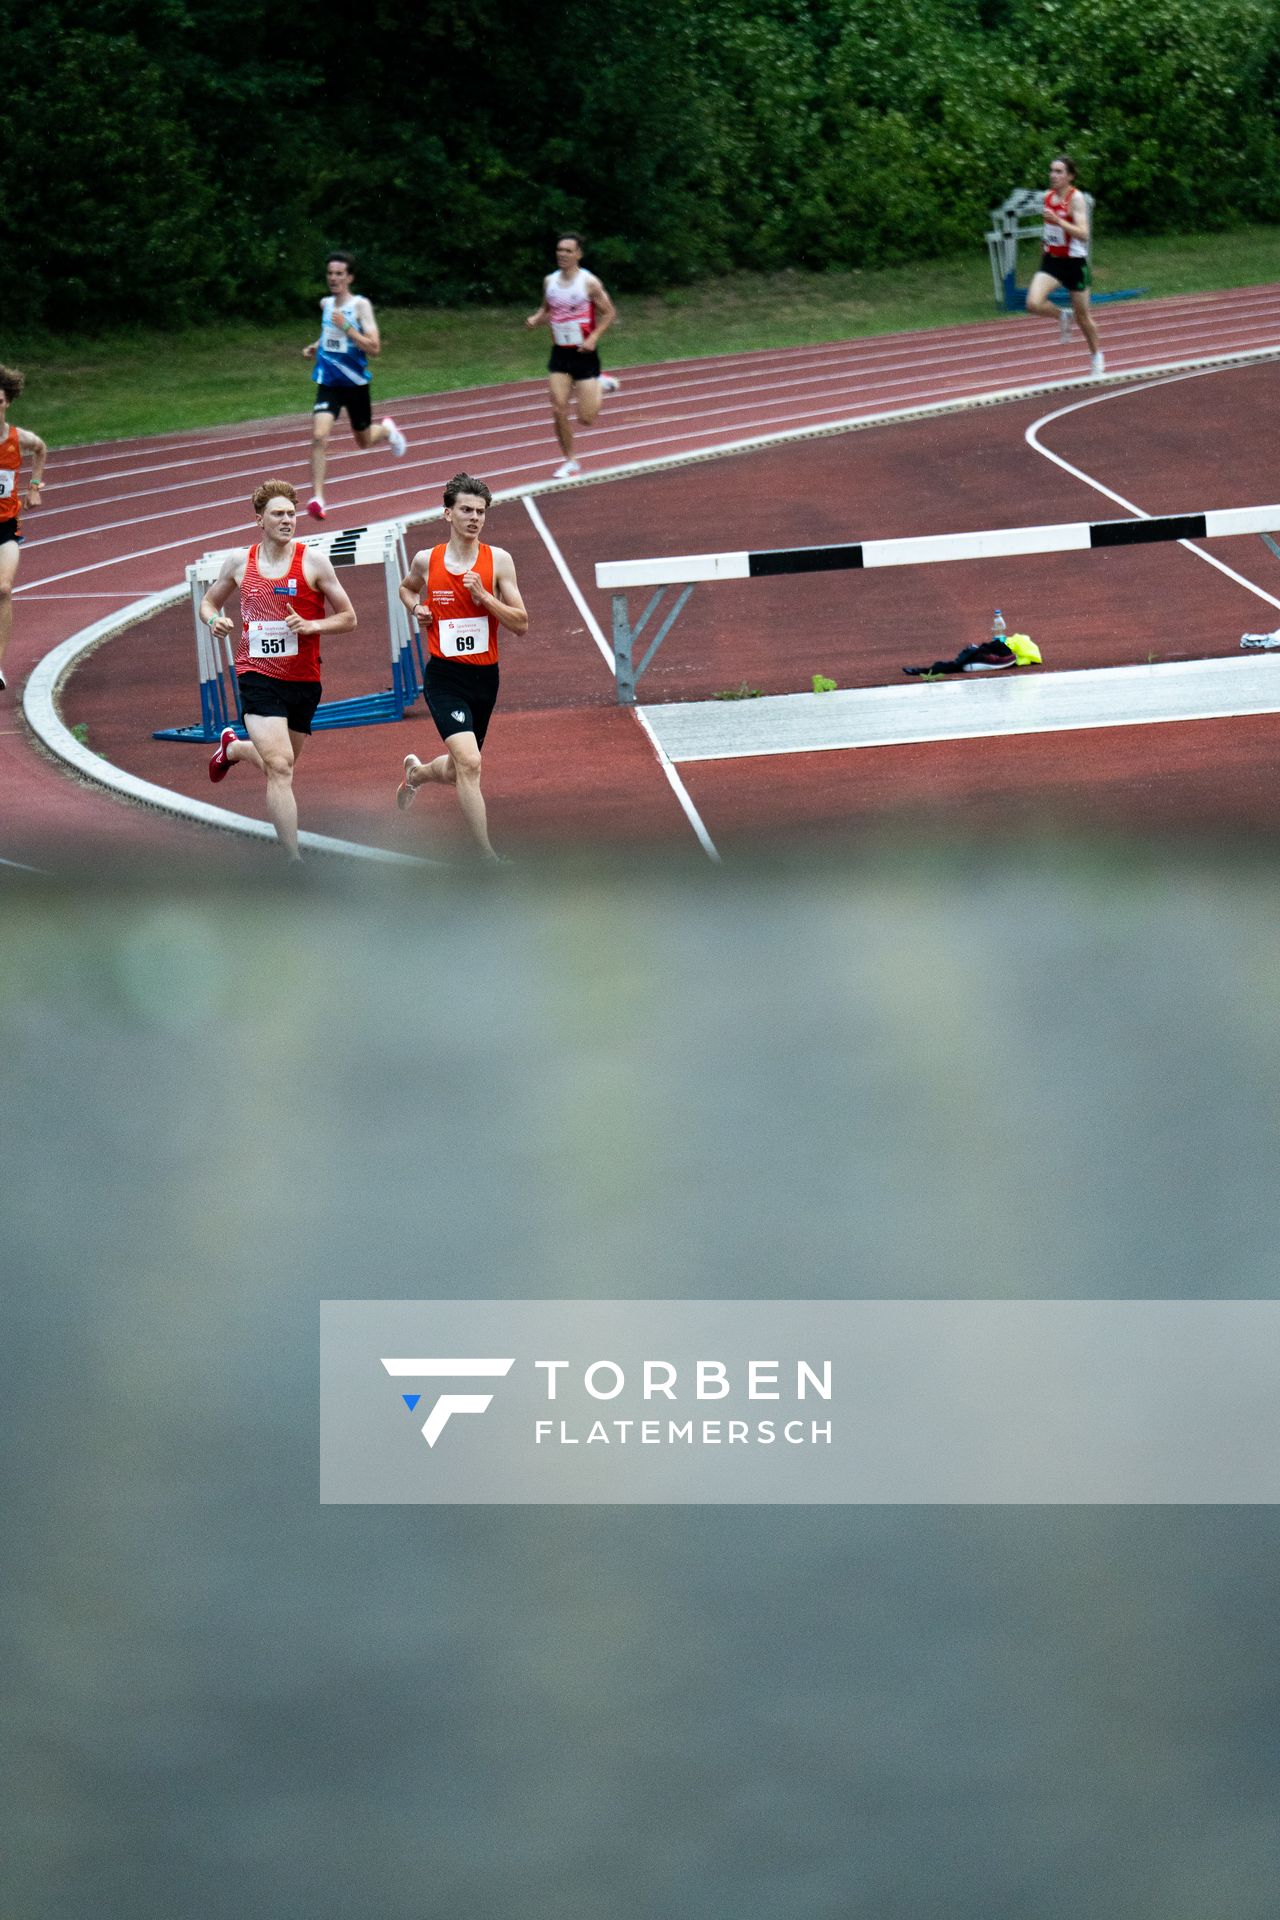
32,443
505,605
317,571
606,313
413,586
1078,224
365,332
230,574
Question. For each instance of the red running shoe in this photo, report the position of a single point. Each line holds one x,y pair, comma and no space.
316,509
219,765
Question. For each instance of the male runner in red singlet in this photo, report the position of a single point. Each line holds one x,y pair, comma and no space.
578,310
1065,259
461,593
14,442
284,586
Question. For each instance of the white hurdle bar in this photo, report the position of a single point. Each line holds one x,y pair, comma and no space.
1081,536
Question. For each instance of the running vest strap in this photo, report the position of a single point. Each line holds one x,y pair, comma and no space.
339,361
267,644
10,461
1057,241
571,309
459,629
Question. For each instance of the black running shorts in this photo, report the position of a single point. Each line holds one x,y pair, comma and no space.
291,700
461,699
1069,273
573,361
358,402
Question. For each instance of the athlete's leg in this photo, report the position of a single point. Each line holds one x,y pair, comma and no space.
561,387
1038,301
1084,319
321,428
278,748
589,394
371,436
9,553
464,751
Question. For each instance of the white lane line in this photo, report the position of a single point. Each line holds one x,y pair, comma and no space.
861,387
593,627
575,591
21,866
818,428
679,789
1031,436
39,703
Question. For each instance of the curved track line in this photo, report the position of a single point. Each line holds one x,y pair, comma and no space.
39,704
1032,440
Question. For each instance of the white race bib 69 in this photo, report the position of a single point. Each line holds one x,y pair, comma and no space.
7,479
271,640
464,639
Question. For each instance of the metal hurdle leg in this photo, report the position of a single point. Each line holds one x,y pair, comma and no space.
625,672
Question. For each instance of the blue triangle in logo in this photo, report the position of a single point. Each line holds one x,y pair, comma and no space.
411,1400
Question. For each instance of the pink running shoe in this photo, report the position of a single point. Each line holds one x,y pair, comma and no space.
219,765
316,509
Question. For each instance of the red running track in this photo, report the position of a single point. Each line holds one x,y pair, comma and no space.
564,762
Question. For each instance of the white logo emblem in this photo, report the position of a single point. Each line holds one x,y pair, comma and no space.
448,1403
457,715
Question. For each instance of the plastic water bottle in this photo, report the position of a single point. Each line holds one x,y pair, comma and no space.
997,625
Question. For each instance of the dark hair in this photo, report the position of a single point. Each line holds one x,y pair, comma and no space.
575,237
11,382
1067,162
273,490
465,483
348,260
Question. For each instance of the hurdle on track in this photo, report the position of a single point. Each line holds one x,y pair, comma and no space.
356,547
688,570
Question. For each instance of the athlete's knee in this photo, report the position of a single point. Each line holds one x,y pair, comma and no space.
277,762
466,765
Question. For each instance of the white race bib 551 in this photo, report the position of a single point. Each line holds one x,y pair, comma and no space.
271,640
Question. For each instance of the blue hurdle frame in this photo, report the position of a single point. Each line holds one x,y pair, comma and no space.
215,664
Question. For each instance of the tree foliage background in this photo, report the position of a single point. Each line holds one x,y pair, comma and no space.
167,156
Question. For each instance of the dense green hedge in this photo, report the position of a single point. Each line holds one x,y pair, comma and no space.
171,156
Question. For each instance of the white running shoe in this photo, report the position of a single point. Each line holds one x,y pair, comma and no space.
1064,325
396,440
1098,364
609,384
406,792
3,683
567,469
1261,639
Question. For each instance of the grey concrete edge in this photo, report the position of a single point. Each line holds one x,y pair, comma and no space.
39,704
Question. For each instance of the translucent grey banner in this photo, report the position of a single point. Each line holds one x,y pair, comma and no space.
800,1402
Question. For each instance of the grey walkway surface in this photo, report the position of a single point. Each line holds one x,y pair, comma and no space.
966,708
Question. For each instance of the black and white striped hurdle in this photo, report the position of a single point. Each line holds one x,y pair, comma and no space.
1081,536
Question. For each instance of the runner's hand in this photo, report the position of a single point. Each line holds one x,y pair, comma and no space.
296,624
589,344
220,626
309,353
475,587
